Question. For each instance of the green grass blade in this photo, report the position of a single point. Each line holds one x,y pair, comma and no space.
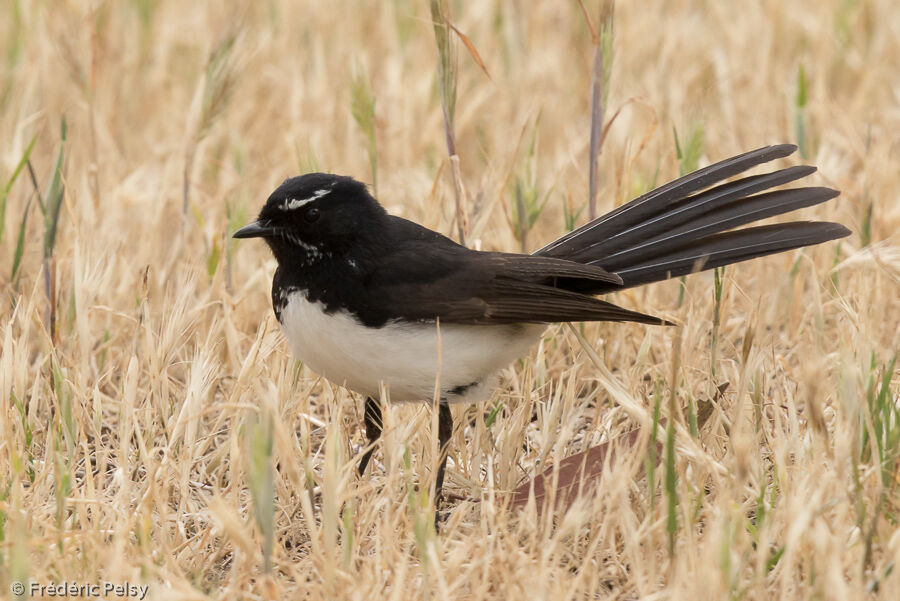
800,103
260,444
652,458
689,151
492,416
55,196
446,61
671,482
4,195
362,106
20,244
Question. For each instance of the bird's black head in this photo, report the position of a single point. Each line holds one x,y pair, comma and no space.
314,216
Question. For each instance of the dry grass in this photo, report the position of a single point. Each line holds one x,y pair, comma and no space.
162,433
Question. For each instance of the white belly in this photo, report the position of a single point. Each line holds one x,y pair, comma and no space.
403,356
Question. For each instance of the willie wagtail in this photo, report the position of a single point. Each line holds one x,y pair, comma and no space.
364,297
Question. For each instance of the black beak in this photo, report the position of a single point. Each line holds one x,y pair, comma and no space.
257,229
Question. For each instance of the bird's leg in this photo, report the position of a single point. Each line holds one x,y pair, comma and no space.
373,420
445,430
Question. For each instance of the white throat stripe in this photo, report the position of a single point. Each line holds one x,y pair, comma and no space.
295,203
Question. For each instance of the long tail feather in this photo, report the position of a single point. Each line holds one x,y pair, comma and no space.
725,199
684,226
654,201
747,211
732,247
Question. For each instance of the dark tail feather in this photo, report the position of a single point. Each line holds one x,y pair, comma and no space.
731,247
677,229
654,201
716,203
746,211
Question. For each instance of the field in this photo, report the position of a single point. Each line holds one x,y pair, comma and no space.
155,430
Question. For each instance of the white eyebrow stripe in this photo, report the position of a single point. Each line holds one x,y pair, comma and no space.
295,203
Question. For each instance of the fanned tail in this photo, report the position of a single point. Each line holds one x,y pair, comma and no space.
684,225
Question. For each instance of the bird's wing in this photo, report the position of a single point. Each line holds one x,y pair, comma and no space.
426,281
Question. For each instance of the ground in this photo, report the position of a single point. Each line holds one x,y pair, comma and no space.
156,431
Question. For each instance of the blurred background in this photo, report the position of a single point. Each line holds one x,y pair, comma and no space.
156,429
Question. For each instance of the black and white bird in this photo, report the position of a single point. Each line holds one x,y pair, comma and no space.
365,298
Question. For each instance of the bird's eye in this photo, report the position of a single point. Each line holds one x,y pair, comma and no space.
311,215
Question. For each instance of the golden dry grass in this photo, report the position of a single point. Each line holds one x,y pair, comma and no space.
133,436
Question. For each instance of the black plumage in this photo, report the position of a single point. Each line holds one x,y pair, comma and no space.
381,267
367,298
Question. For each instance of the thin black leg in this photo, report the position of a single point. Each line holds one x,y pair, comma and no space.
373,420
445,430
